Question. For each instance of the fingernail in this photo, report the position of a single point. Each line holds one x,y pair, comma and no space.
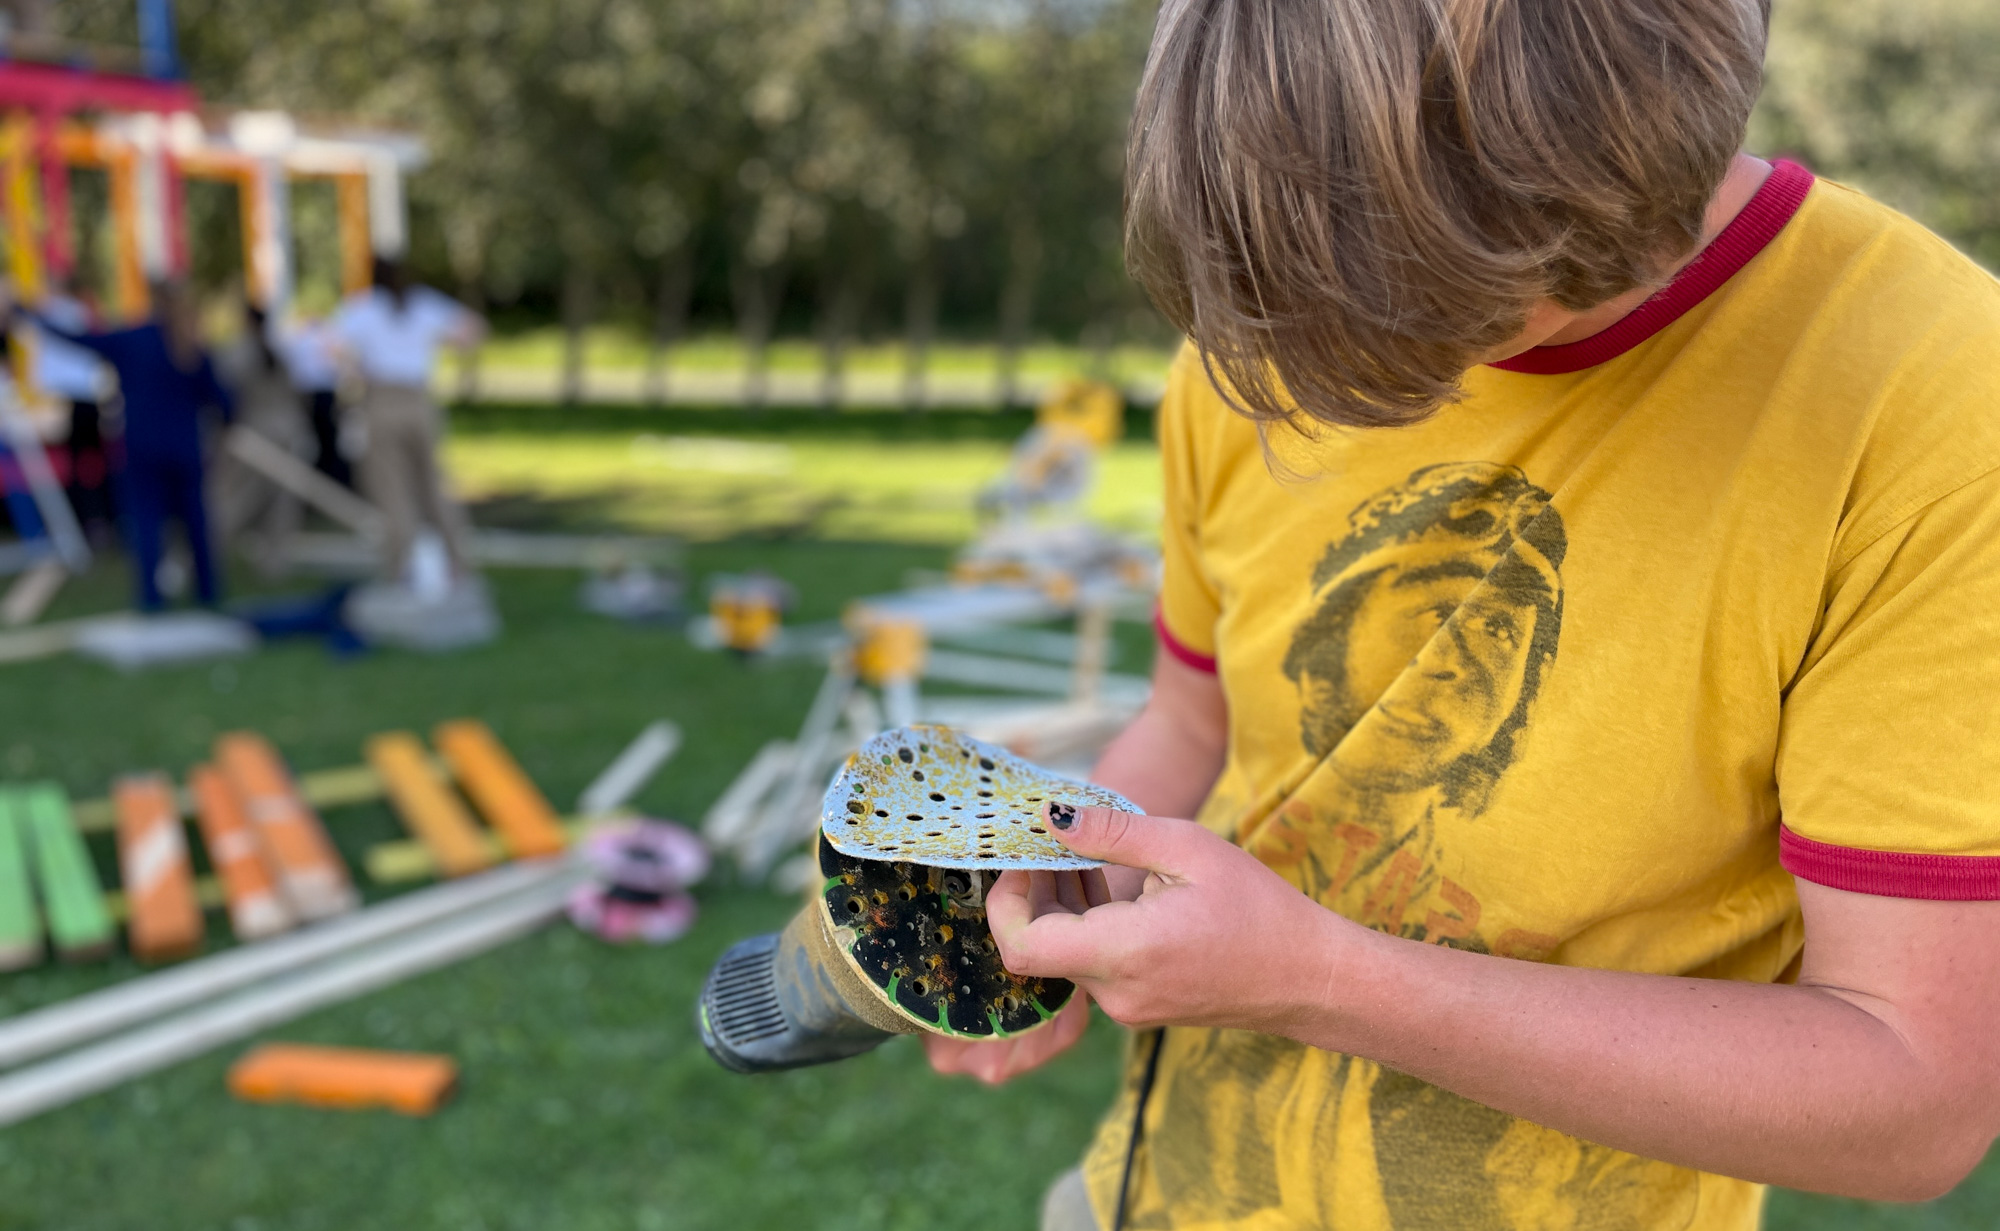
1062,816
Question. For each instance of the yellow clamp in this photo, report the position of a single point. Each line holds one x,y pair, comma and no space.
886,648
1089,409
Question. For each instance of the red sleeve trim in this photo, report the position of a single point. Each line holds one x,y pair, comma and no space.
1747,234
1173,645
1891,874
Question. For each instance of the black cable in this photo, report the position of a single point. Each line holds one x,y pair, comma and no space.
1144,1092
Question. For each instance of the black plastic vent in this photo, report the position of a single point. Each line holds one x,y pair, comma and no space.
742,996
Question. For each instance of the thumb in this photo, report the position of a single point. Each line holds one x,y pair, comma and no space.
1153,843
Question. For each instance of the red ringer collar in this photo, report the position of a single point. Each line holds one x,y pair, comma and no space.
1767,212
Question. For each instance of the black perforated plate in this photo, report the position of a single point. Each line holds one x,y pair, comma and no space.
919,935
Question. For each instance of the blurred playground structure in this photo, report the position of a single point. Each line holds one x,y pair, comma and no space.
146,131
151,134
982,633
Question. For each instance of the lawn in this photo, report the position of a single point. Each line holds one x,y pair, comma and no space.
617,367
702,484
624,349
587,1101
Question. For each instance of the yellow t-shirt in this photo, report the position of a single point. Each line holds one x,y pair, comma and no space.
1574,672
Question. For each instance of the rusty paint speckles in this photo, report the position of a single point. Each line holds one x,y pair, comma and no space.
909,781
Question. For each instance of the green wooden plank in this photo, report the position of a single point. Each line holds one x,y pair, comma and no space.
20,923
79,925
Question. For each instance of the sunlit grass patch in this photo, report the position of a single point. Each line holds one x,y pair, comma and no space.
704,487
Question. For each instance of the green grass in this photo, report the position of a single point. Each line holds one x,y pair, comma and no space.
625,349
587,1101
707,486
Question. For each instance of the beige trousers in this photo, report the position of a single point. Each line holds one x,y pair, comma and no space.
1066,1207
399,474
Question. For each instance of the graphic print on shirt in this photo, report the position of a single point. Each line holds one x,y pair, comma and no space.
1434,620
1433,623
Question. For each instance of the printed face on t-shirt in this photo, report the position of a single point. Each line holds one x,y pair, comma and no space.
1460,678
1429,628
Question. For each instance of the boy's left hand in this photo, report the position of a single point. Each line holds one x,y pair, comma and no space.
1214,938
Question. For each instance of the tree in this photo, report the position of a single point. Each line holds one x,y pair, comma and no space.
1900,96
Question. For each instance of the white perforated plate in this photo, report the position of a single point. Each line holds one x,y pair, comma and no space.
929,795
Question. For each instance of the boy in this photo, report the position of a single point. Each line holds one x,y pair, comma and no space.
1580,645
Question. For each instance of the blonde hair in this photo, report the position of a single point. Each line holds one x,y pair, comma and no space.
1345,202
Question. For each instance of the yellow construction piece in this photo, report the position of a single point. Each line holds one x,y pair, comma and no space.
427,805
321,788
749,623
1089,410
886,648
404,860
503,793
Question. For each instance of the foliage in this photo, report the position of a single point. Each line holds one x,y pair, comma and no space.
1901,97
801,152
868,166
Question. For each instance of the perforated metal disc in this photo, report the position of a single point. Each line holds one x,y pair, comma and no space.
919,937
929,795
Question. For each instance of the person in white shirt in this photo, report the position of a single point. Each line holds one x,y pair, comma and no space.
80,378
391,334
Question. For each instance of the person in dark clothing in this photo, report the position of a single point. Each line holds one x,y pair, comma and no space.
168,384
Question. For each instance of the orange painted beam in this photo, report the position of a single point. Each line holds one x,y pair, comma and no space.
434,815
81,146
164,919
310,873
413,1083
134,300
357,251
213,164
256,907
500,789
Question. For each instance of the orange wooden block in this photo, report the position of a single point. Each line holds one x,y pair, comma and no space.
503,792
310,874
164,917
426,804
413,1083
256,908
